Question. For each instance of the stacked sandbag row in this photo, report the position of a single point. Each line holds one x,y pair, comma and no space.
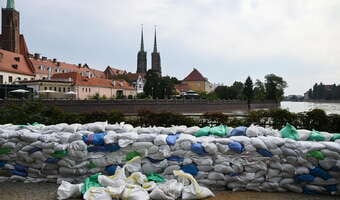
243,158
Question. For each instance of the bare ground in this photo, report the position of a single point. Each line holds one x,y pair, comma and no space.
47,191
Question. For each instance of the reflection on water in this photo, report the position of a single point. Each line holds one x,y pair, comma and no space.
330,108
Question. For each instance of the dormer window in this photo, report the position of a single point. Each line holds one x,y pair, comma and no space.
17,59
15,66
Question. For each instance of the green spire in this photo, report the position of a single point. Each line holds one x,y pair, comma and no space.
10,4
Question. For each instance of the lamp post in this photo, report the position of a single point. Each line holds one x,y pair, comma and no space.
152,93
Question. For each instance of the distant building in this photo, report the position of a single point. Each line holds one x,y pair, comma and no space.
197,82
156,58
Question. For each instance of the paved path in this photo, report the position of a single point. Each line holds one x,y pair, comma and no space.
47,191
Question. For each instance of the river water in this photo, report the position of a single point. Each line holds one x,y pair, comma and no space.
330,108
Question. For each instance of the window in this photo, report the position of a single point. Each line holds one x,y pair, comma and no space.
45,88
59,89
25,79
68,89
1,79
55,88
89,89
32,79
19,79
83,89
50,88
10,79
64,89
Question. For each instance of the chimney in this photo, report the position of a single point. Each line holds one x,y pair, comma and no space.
54,60
58,63
44,58
36,56
79,65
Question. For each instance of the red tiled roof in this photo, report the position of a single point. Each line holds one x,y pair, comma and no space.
114,71
8,63
134,76
95,82
195,75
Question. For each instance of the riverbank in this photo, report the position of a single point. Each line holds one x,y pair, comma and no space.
48,191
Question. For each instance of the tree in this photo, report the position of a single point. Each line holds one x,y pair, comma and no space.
275,86
159,87
259,90
248,90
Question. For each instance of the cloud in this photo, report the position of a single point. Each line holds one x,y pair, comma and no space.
226,39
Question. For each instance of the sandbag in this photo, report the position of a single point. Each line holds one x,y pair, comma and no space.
205,131
67,190
239,131
290,132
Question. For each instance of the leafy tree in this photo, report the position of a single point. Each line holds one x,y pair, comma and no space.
275,86
248,90
259,90
159,87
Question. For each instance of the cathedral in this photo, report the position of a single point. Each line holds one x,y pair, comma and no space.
155,57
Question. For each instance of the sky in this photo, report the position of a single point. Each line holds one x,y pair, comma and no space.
226,40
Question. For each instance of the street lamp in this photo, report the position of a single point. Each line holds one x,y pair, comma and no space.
152,93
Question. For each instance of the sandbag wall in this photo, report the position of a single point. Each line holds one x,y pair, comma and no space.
239,159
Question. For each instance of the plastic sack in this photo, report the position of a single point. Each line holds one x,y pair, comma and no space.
131,155
5,150
239,131
220,131
335,137
264,152
156,178
97,193
236,146
203,132
67,190
60,154
290,132
316,154
95,139
52,160
135,192
115,184
198,148
171,139
175,158
319,172
111,169
316,136
2,163
105,148
169,190
191,169
304,178
194,190
89,182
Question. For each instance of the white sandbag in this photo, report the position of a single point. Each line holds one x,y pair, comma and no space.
303,134
67,190
194,190
160,140
97,193
135,192
77,149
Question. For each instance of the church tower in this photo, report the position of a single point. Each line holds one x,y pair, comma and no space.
141,57
10,32
156,58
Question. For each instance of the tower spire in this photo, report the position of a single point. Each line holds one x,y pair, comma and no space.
10,4
142,41
155,41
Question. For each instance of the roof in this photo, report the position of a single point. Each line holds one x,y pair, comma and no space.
134,76
114,71
94,82
14,63
195,75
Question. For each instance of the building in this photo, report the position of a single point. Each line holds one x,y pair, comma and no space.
111,73
156,58
197,82
87,88
141,57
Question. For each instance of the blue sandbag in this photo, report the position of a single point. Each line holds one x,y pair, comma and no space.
106,148
308,191
171,139
34,149
236,146
264,152
52,160
95,139
154,160
191,169
20,168
335,168
239,131
19,173
198,148
111,169
331,188
2,163
304,178
175,158
319,172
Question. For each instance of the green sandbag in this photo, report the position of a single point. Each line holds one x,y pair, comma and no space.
316,136
89,182
336,136
60,154
290,132
220,131
132,155
316,154
91,165
5,150
203,132
156,178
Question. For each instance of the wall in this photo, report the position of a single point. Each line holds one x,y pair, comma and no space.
14,77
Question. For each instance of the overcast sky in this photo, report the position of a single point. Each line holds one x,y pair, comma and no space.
226,40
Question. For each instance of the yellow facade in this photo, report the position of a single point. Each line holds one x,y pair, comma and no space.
197,86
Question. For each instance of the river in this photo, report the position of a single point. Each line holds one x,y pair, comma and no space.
330,108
